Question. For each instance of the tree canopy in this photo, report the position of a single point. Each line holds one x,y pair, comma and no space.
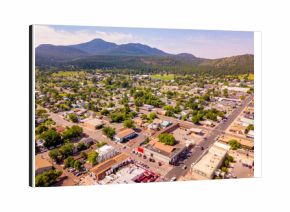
167,139
47,178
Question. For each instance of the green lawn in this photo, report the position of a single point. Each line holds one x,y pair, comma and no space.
163,77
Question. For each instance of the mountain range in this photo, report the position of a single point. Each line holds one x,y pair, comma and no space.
102,54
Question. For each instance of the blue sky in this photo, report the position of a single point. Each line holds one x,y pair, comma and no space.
201,43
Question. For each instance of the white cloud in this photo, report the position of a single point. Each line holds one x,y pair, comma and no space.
116,37
49,35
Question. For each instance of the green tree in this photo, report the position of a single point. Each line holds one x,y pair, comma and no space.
167,139
226,93
84,155
152,116
73,117
129,123
109,132
224,169
55,155
51,138
77,165
196,118
81,146
92,157
234,144
47,178
144,116
249,128
67,150
69,162
40,112
73,132
40,129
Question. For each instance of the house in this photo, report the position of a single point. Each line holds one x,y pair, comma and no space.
87,141
250,134
185,112
155,124
165,124
147,107
124,135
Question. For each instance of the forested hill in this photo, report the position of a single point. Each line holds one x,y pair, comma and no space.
135,57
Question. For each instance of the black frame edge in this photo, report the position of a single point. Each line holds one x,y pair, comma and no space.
30,105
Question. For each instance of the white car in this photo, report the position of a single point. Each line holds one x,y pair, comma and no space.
173,179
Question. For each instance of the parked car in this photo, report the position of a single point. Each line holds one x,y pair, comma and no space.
173,179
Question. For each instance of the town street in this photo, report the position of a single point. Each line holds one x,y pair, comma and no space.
197,152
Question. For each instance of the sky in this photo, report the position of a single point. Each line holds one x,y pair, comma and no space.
209,44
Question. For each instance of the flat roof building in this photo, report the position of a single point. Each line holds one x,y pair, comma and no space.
162,152
42,164
125,135
106,152
101,169
210,162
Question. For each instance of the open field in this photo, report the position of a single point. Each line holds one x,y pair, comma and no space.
163,77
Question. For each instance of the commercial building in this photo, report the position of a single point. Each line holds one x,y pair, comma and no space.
106,152
100,170
205,168
161,152
125,135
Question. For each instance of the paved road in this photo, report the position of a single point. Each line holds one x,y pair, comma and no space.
185,124
98,135
197,152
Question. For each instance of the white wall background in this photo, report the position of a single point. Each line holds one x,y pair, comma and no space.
268,192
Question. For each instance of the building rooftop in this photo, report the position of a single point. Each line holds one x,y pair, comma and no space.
104,149
166,148
125,133
211,160
109,163
41,162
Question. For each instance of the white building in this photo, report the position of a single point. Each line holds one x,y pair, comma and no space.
237,89
106,152
250,134
210,162
247,121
